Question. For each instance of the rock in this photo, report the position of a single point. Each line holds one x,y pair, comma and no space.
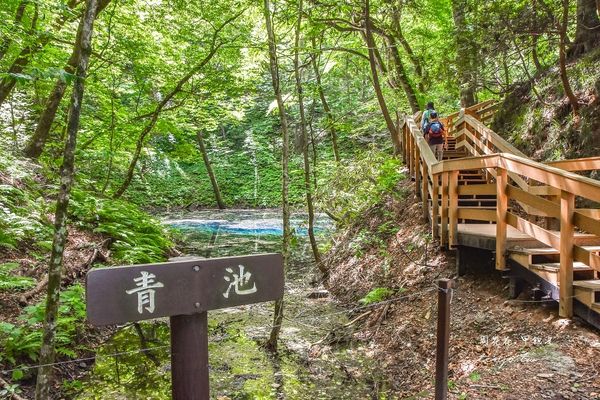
318,294
546,376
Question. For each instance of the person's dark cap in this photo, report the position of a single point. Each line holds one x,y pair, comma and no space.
430,105
434,115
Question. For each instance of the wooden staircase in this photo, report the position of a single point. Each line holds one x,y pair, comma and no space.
486,194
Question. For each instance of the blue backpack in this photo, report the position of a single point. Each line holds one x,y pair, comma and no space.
435,129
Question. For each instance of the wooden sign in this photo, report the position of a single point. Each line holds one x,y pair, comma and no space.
117,295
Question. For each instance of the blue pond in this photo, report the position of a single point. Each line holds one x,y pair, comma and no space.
229,232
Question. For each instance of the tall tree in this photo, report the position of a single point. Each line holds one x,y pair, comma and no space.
18,65
305,141
465,53
587,32
6,42
47,350
211,173
215,45
36,143
274,69
563,27
375,77
330,122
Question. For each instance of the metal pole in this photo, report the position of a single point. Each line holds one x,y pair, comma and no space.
189,357
443,338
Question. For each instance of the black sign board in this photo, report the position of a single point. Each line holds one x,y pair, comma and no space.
117,295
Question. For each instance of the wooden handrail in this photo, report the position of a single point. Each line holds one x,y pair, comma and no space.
578,164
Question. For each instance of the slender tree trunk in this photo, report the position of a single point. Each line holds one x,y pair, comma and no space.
587,32
209,170
326,108
274,68
8,82
419,71
562,60
376,85
47,350
154,117
305,143
465,54
400,72
36,143
18,18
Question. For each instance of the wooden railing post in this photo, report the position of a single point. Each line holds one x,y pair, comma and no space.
425,192
418,171
444,211
453,209
565,278
435,206
501,212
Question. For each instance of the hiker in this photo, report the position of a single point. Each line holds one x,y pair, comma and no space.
436,136
427,116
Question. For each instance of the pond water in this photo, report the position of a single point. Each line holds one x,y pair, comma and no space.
316,359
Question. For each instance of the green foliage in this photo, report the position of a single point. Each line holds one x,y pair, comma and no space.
138,238
21,211
355,186
10,282
24,339
376,295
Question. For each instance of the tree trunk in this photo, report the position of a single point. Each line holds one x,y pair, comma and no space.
155,114
325,104
376,85
18,18
400,72
209,170
465,54
8,82
274,68
47,350
36,143
587,32
397,27
562,60
305,144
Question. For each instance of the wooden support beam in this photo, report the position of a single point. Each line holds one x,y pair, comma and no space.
425,193
418,172
501,211
453,209
444,213
567,231
435,206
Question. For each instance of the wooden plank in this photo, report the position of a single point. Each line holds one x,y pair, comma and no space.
444,211
501,213
477,214
453,208
548,208
578,164
546,237
563,180
567,231
425,193
435,206
485,189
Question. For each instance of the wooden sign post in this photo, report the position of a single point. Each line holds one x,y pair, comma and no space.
183,291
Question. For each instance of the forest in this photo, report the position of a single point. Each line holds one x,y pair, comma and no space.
123,123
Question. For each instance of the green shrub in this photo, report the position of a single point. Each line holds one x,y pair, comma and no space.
25,339
376,295
138,238
10,282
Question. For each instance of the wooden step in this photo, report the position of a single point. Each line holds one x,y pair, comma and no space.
555,267
587,291
596,307
548,250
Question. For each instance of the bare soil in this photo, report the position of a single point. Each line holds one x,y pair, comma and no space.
499,348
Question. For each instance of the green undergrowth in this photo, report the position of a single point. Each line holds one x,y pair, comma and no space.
21,341
536,117
357,186
136,237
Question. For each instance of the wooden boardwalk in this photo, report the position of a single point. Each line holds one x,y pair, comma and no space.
539,222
